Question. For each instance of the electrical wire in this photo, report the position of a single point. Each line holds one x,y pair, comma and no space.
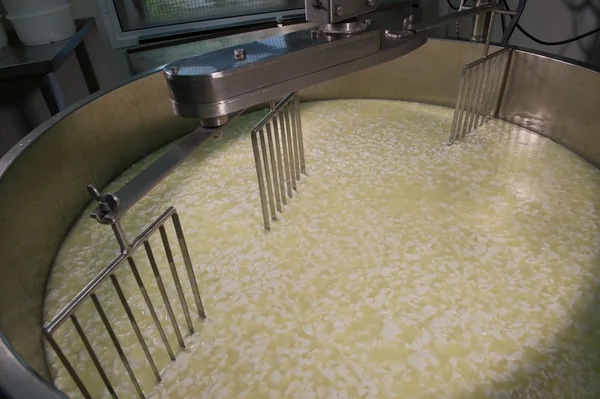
452,5
513,22
546,43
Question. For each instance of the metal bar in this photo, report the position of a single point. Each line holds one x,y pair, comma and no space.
286,162
465,100
275,108
275,167
480,90
476,90
188,262
502,82
290,144
163,293
85,292
440,21
300,138
117,345
457,107
142,287
469,102
171,261
125,247
491,87
280,165
135,326
261,183
292,116
147,179
67,364
90,350
265,157
491,27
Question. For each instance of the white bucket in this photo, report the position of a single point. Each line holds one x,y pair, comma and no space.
16,8
3,38
43,28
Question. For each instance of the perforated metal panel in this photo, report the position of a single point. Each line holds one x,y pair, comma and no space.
138,14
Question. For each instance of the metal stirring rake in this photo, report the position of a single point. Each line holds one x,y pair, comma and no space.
481,86
278,148
108,213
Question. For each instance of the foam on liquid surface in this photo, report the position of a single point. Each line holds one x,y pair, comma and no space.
404,268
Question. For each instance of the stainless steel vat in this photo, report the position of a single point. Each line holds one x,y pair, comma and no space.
43,179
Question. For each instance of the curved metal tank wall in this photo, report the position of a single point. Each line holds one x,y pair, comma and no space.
43,179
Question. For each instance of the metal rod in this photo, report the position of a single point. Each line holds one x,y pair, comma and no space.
274,109
480,101
188,262
440,21
475,104
265,157
491,89
117,345
491,27
171,261
461,109
280,165
469,102
143,182
286,162
67,364
504,70
292,113
142,287
458,107
274,167
477,90
290,143
135,326
261,183
300,138
163,293
90,350
90,287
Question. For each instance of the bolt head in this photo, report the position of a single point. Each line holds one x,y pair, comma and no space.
372,3
239,54
339,11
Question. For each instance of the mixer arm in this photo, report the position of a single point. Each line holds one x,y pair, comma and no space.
220,85
212,85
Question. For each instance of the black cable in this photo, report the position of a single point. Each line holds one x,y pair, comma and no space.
558,43
451,5
503,23
513,22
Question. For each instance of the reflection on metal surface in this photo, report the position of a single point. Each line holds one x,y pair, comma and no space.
110,203
556,99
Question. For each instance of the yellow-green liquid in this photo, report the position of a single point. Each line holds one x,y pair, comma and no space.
403,268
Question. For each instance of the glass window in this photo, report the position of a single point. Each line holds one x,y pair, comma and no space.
140,14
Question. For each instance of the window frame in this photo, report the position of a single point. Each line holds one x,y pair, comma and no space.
120,38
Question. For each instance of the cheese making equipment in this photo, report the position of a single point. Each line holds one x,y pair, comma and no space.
349,51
